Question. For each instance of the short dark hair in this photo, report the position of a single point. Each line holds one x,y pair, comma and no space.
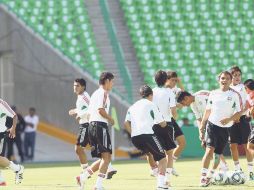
247,81
235,69
181,95
145,91
249,84
226,73
32,109
171,74
160,78
105,76
81,81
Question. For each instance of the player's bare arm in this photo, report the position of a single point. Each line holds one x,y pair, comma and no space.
12,130
104,114
203,124
234,117
127,126
174,112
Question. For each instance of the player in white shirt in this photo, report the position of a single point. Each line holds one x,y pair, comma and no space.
198,102
240,131
81,114
5,111
174,83
223,107
164,99
249,86
141,117
98,131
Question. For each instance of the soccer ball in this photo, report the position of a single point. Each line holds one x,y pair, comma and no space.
236,177
219,178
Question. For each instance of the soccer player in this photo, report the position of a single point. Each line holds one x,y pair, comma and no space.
81,114
139,122
240,131
172,83
5,111
198,102
249,86
164,99
223,107
98,131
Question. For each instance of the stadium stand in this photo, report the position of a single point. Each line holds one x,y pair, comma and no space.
65,25
198,39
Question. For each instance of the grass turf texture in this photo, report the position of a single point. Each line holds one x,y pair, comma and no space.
132,175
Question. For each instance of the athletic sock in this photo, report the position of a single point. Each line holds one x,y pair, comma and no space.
84,166
14,167
161,180
250,167
168,174
99,180
237,165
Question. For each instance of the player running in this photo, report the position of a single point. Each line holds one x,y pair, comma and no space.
139,122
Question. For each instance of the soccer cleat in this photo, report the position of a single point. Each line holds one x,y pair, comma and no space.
251,176
110,174
154,172
174,172
19,175
205,182
80,183
162,188
98,188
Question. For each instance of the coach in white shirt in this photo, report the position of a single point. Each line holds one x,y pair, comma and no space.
223,107
139,122
32,121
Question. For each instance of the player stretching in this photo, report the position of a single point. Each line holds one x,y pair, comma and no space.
223,107
5,111
98,131
139,122
249,86
240,131
172,83
198,102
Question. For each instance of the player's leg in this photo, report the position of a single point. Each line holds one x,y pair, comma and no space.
17,169
82,142
223,164
153,165
208,156
235,139
2,180
181,143
249,158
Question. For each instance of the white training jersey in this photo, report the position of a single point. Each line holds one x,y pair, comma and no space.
175,90
143,115
164,99
82,105
223,105
99,99
34,120
5,111
241,90
199,105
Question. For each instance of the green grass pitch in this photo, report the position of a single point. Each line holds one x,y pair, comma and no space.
132,175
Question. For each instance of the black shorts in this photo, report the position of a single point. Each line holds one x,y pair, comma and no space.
165,136
216,137
177,130
99,138
240,132
251,138
83,138
149,143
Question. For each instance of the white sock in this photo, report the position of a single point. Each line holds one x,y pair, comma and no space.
86,174
250,167
237,165
84,166
168,174
155,170
210,174
14,167
175,158
161,180
204,172
110,167
99,180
